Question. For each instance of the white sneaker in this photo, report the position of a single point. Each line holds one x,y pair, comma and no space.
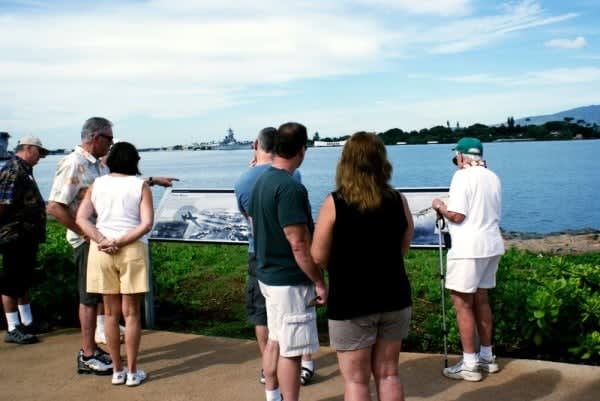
136,378
100,337
119,377
461,371
489,365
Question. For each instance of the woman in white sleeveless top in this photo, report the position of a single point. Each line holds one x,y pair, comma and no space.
121,205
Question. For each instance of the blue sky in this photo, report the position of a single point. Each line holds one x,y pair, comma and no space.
177,72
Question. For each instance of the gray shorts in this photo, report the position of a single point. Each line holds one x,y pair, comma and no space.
364,331
80,255
256,309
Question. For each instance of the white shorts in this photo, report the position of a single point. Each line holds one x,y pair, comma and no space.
290,321
467,275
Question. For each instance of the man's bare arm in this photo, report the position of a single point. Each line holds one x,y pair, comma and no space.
299,238
440,207
62,214
161,181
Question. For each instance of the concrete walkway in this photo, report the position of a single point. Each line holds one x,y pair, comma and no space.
189,367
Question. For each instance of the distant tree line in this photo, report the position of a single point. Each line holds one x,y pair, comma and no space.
550,131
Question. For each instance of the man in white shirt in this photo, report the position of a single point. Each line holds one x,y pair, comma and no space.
473,215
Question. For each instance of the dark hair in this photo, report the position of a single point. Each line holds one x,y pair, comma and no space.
290,138
266,138
123,158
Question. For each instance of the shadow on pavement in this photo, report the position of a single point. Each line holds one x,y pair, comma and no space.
518,389
195,354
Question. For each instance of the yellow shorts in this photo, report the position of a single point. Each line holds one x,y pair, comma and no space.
125,272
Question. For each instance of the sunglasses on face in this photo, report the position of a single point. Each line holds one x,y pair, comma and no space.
109,138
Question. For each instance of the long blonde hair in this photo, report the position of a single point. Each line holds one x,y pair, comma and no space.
363,171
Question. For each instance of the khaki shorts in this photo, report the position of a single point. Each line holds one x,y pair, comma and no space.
290,321
125,272
467,275
364,331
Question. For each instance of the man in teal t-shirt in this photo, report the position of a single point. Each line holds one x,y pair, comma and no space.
288,278
283,201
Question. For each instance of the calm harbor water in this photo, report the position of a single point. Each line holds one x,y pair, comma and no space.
547,186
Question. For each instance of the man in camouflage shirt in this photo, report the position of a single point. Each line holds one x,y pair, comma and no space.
22,229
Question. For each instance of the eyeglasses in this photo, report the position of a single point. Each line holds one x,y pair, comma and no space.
109,138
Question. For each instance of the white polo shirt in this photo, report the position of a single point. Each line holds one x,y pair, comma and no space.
476,193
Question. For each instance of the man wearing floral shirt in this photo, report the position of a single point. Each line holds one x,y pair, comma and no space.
75,173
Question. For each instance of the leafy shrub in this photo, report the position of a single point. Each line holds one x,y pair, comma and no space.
565,308
545,307
54,292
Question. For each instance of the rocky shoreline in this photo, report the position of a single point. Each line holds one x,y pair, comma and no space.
561,243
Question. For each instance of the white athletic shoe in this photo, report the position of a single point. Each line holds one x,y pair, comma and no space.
461,371
119,377
489,365
136,378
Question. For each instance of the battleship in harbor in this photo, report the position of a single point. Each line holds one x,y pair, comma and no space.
230,143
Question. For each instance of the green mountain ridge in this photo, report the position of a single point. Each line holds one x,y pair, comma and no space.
584,114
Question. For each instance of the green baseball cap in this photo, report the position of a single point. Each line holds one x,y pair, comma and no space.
469,146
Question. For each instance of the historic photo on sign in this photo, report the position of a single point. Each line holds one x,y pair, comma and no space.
202,215
424,217
211,215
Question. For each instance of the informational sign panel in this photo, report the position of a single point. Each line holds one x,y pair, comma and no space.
199,215
211,215
424,217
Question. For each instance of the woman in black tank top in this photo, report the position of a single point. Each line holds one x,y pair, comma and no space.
363,231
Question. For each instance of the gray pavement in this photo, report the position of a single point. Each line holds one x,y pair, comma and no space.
191,367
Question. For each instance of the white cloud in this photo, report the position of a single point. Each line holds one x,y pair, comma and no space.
555,76
136,62
577,43
475,32
435,7
185,59
567,75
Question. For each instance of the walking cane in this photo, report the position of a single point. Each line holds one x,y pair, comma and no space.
441,224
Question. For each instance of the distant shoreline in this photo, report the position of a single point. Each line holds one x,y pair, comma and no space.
177,148
567,242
